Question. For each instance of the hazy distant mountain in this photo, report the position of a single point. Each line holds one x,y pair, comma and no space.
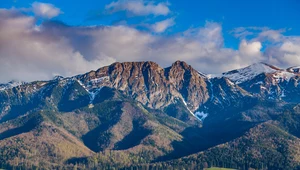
140,115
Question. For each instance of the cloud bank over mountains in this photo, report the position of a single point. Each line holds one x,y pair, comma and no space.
29,51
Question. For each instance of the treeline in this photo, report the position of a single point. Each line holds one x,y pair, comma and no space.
171,165
228,156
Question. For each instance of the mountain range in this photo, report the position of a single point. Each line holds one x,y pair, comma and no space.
140,115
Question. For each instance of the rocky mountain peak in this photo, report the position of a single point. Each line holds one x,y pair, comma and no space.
141,65
247,73
57,77
151,84
181,64
159,88
189,83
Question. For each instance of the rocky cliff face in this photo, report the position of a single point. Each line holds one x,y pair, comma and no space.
191,84
159,88
152,85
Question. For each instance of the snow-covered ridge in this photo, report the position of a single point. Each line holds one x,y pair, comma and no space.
199,115
11,84
244,74
283,75
241,75
92,88
95,81
295,69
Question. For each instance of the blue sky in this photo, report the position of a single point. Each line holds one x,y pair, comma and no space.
211,35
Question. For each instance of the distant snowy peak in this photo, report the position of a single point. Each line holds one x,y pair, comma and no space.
10,85
58,77
244,74
295,69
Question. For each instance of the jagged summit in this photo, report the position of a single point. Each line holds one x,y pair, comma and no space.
180,63
136,63
237,75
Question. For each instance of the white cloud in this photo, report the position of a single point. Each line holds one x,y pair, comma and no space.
288,54
45,10
161,26
279,49
290,47
271,35
211,33
139,7
29,52
250,48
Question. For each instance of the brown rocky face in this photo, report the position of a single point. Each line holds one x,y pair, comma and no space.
189,83
153,85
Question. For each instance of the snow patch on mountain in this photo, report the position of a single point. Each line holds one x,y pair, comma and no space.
91,93
96,81
187,107
201,115
92,86
94,93
283,75
282,94
82,85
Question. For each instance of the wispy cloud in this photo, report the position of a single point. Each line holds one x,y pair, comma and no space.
260,33
162,26
139,7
